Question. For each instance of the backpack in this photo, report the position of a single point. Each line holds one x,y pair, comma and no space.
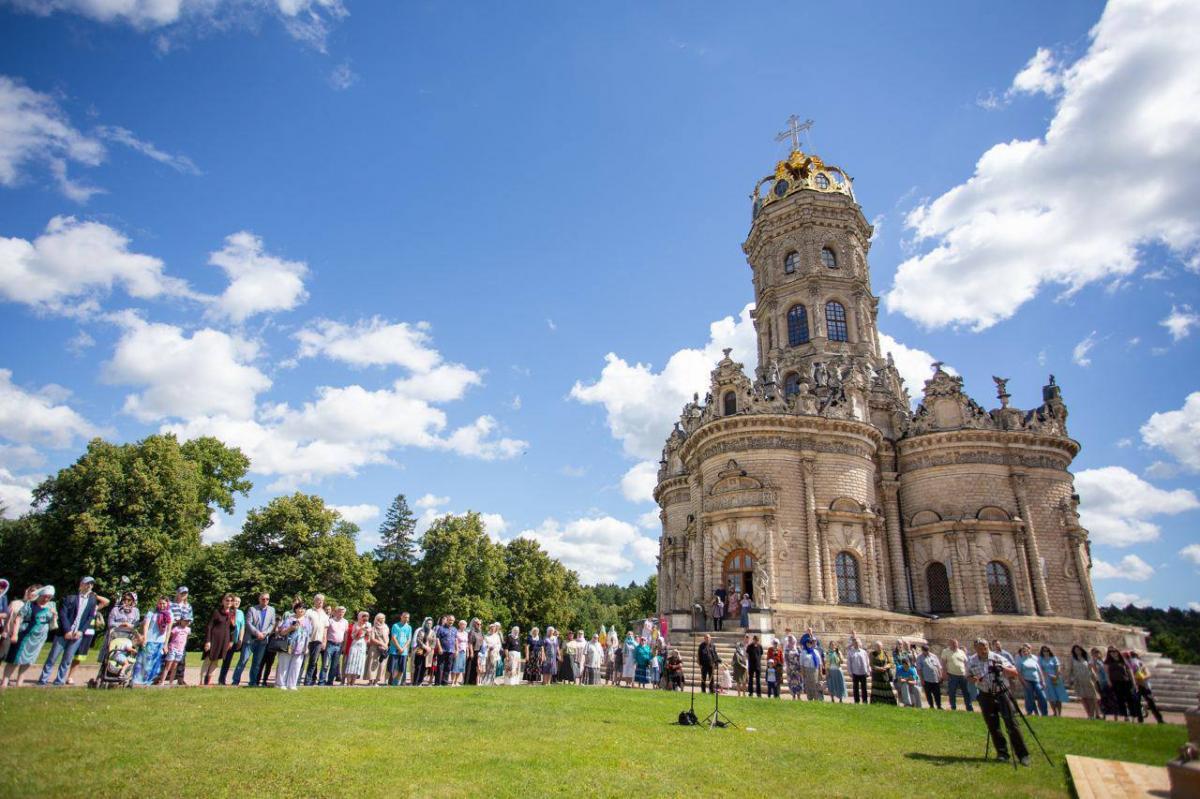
687,719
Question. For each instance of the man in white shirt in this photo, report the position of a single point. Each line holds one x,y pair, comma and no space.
319,620
859,664
988,671
954,660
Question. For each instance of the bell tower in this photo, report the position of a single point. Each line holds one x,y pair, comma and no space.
807,249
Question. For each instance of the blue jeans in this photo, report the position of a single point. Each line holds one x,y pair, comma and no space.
957,684
1035,699
331,669
312,673
64,648
745,617
253,650
397,665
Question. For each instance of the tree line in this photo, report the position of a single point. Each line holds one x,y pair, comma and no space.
133,515
1173,632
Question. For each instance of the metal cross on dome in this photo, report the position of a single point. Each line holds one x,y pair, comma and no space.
795,128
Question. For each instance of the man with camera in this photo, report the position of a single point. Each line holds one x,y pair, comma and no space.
987,670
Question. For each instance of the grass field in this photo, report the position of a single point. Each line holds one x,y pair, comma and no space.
521,741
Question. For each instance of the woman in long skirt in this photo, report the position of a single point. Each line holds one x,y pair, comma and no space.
533,656
1083,681
795,671
836,678
512,657
642,655
356,658
33,627
881,677
155,629
1056,688
628,664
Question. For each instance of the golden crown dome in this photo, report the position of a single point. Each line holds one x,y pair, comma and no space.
801,172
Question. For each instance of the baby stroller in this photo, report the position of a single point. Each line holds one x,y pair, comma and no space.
120,652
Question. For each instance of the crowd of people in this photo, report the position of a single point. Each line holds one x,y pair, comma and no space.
314,644
1110,683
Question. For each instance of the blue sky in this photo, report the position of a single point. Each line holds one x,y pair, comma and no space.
387,247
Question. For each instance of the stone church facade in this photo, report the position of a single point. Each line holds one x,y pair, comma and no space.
810,483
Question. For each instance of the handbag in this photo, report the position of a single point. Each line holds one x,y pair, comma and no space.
277,643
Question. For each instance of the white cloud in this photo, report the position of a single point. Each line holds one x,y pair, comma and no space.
1194,607
650,520
1041,75
495,524
37,418
258,282
1081,354
638,483
600,550
221,529
573,471
34,129
1122,599
1191,553
342,77
914,365
1117,505
16,492
431,501
1131,567
370,342
357,514
1180,321
1052,211
475,440
73,263
185,376
1177,432
641,404
308,21
126,137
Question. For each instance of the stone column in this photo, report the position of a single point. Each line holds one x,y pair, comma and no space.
816,588
1041,599
891,513
1025,579
773,586
979,578
706,568
872,564
828,586
958,593
1078,541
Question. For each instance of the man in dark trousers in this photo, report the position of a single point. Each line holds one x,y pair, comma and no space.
754,654
474,642
447,638
706,653
986,669
74,619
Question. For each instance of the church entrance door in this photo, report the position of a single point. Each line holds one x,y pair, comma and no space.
738,572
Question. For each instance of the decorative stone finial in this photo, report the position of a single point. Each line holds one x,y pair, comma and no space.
1001,390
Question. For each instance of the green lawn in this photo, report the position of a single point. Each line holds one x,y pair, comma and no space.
526,741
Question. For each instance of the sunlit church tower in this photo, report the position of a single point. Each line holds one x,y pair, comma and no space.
812,484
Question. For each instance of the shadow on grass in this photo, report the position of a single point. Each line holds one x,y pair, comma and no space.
949,760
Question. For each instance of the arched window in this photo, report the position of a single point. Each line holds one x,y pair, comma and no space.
738,572
797,319
828,258
791,385
846,567
730,403
937,584
822,181
1000,588
835,320
791,263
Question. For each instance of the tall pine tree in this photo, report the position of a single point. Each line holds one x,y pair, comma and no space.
395,556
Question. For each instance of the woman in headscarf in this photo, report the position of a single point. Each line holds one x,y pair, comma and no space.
534,653
297,626
795,669
593,661
740,667
881,676
642,654
356,657
34,623
462,646
1083,681
7,612
491,653
422,643
218,638
628,665
835,677
813,665
377,647
512,656
155,628
552,655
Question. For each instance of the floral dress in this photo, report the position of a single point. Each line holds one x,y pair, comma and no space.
795,671
357,659
533,663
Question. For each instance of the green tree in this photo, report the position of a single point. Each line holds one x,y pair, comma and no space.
460,570
536,589
395,557
298,546
133,510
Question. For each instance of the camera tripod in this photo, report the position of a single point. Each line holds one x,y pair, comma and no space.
1002,696
717,718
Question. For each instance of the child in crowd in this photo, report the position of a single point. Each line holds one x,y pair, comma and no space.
176,646
725,684
772,679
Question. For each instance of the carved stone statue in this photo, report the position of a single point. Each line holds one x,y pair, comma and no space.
774,373
762,582
819,374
